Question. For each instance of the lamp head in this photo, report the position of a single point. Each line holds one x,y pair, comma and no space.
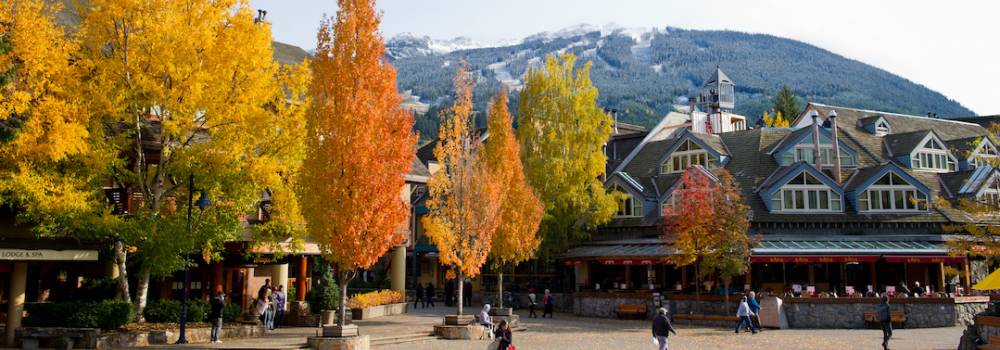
203,201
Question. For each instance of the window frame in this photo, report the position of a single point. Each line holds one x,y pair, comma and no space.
982,157
923,154
865,198
628,207
688,155
803,192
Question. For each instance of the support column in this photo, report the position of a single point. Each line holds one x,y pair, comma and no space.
279,275
966,282
15,300
217,277
749,277
300,279
397,275
628,277
941,277
874,275
812,275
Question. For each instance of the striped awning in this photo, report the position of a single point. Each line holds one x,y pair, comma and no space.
850,247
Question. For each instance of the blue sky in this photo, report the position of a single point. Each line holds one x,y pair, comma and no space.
952,47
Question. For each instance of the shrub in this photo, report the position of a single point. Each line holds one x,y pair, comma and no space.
381,297
169,311
230,312
324,297
97,289
109,314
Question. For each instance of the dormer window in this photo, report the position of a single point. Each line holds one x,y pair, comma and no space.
806,193
882,127
991,195
803,152
985,155
628,206
891,193
933,156
688,154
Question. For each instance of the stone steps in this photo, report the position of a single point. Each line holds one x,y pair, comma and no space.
402,339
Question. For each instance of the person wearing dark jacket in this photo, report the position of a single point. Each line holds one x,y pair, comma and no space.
216,316
419,298
662,328
503,335
449,292
429,295
467,292
884,319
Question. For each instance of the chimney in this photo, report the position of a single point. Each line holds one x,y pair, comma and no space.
614,114
832,117
816,156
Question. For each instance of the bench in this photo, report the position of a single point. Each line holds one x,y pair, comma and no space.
636,310
894,317
993,344
64,340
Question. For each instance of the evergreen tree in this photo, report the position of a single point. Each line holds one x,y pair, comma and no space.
785,103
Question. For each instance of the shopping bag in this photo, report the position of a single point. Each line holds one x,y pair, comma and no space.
511,347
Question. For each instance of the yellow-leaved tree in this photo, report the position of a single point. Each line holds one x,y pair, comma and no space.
185,93
46,158
516,238
465,196
360,145
562,132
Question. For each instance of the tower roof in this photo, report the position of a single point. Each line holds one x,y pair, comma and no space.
718,77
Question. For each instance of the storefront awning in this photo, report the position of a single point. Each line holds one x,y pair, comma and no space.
620,253
813,259
833,248
925,259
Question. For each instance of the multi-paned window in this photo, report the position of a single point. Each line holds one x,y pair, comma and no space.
991,195
986,155
933,156
628,205
688,154
806,193
881,127
803,152
890,194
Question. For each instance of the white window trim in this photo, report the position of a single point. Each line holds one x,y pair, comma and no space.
635,203
879,127
668,162
780,192
822,147
994,189
943,151
891,189
978,155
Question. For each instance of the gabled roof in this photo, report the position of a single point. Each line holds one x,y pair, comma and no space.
905,143
718,77
963,148
866,177
786,173
796,137
967,183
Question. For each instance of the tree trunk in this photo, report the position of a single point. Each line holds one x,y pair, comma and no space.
141,292
120,256
500,287
697,288
345,279
461,289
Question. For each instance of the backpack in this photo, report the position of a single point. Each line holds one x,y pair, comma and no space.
883,313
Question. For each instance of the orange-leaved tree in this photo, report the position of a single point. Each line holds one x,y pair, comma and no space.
465,197
359,145
516,238
690,218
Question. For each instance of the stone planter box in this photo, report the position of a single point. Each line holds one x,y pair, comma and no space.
87,338
378,311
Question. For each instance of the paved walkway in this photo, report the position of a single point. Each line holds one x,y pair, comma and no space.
569,332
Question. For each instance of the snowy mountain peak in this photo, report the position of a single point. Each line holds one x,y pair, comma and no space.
409,44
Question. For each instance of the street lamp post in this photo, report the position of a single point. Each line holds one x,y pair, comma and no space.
203,202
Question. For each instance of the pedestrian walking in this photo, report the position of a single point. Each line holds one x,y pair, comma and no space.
534,303
420,297
279,304
467,292
449,293
549,304
662,328
429,295
744,314
216,316
885,321
269,310
266,287
261,309
755,309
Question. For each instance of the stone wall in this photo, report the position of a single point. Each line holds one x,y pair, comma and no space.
849,312
605,305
